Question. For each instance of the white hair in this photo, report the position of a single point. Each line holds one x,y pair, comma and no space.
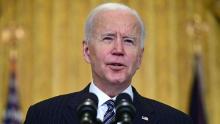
111,6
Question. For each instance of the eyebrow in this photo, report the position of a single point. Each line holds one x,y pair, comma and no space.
109,34
133,37
115,34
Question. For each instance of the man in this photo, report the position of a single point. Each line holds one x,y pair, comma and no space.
113,45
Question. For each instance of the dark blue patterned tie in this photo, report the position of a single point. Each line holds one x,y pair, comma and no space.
110,114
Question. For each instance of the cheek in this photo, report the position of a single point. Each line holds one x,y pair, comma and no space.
100,55
134,60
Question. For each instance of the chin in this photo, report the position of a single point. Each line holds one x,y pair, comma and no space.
117,80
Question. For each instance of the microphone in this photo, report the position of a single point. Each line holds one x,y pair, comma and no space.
87,110
125,110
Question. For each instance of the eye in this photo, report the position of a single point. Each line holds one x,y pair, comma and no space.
108,38
129,41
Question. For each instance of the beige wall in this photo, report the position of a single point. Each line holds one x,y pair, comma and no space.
50,58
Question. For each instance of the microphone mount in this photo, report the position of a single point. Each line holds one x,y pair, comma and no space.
125,110
87,110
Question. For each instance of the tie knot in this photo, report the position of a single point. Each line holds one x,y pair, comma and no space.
110,103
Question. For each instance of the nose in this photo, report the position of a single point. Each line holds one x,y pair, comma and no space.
118,48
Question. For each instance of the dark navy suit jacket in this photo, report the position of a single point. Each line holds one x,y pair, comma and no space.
62,110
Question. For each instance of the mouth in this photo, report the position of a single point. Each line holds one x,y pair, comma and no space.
116,66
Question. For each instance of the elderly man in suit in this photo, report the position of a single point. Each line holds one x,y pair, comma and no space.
113,46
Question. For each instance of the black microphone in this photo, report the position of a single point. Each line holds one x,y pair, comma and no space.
125,110
87,110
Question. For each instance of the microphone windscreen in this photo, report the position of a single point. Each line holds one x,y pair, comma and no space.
87,109
90,96
123,97
125,110
93,97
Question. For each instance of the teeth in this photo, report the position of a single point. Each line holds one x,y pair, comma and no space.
117,64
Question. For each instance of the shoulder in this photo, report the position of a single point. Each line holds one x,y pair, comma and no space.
158,112
166,113
162,108
57,109
57,101
62,100
51,109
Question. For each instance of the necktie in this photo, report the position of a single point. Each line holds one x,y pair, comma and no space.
110,114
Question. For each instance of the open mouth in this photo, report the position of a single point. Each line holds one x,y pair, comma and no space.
116,66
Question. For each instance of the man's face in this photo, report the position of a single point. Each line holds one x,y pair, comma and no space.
114,50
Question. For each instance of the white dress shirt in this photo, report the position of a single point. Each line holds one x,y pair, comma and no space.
102,97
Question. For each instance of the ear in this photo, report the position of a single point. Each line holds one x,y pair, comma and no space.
86,52
140,58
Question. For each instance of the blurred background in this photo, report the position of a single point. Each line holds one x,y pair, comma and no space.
41,52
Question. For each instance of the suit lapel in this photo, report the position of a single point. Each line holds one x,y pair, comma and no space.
144,109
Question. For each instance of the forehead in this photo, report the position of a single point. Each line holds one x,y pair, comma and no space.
121,21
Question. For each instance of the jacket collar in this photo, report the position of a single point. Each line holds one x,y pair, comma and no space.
144,108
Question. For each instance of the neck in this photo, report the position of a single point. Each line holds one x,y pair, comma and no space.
112,89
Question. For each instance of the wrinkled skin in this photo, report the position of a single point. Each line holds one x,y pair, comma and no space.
114,51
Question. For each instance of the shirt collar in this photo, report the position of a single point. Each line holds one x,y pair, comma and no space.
102,97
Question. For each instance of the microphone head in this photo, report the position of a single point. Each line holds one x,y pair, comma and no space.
125,110
122,97
87,110
93,97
